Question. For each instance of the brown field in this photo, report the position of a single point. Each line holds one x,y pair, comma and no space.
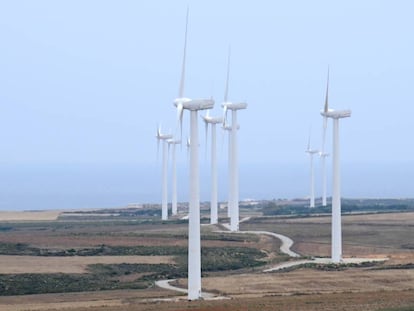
368,288
309,281
75,264
29,215
363,235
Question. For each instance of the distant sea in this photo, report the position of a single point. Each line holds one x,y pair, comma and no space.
105,186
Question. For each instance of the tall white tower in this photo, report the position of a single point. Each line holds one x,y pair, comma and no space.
173,143
194,244
336,251
311,153
164,203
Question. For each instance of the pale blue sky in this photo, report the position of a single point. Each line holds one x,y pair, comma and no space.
88,81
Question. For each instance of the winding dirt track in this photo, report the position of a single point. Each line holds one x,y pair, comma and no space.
284,248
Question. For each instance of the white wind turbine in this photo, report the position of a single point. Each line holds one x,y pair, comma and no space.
213,202
335,115
233,204
172,143
194,243
323,155
311,153
164,138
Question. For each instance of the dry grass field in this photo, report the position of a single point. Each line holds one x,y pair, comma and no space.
29,215
363,235
388,286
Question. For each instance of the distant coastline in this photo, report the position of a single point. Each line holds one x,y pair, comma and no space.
109,186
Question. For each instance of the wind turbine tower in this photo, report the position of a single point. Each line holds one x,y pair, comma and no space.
164,138
311,152
213,202
335,115
173,143
233,203
194,244
227,128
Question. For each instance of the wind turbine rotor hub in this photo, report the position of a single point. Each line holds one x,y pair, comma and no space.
337,114
181,101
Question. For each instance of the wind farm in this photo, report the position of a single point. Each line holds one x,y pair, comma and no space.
94,216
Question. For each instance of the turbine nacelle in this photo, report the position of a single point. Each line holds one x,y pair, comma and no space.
174,141
213,120
198,104
164,136
234,106
231,106
336,114
312,151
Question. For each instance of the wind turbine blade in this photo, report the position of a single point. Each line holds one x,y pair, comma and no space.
206,130
159,130
226,91
158,140
181,90
225,116
326,95
180,111
309,137
158,148
325,124
188,149
206,133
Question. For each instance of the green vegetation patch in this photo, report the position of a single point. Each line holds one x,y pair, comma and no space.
230,258
150,272
396,267
243,237
127,276
375,206
399,309
102,250
331,266
25,284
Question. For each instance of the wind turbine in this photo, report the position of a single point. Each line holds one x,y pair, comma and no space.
213,202
194,244
311,152
323,155
233,203
164,138
172,143
335,115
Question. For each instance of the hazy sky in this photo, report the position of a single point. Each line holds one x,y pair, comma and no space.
88,81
